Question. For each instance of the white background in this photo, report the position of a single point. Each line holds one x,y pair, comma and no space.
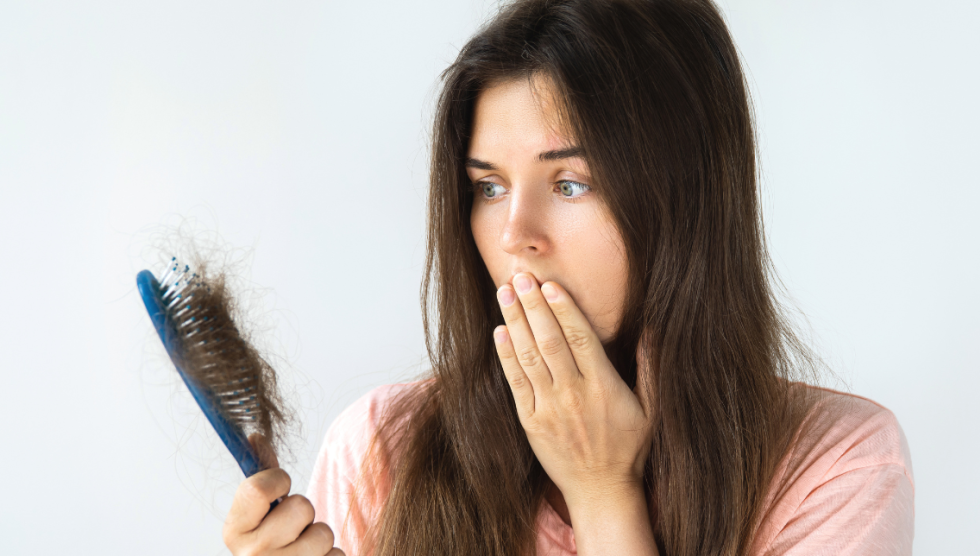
300,131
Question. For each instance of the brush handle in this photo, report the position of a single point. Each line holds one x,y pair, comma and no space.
233,437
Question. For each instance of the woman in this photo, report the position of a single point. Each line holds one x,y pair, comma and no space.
611,373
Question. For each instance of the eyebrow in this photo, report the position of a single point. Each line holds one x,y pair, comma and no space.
560,154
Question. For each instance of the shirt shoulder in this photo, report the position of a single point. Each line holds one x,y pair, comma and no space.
347,491
845,485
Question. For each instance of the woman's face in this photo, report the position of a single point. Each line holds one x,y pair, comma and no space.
533,211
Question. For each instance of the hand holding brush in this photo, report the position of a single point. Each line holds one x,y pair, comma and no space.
236,389
251,529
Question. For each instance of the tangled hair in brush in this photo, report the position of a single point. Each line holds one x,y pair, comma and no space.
228,363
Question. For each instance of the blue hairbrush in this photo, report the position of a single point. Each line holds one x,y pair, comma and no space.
233,385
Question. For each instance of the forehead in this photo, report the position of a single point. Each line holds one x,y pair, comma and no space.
514,116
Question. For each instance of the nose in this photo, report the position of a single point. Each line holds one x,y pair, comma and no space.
526,227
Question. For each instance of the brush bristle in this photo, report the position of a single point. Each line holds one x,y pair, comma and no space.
214,353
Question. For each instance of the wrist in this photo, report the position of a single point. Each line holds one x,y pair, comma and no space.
608,492
617,523
608,500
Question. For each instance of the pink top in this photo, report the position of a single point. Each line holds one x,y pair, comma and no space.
845,487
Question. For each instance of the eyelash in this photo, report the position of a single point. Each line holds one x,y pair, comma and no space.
478,189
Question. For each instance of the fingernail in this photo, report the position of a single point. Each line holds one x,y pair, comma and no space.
500,334
549,291
505,295
522,283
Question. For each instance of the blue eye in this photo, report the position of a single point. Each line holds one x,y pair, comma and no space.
569,187
487,188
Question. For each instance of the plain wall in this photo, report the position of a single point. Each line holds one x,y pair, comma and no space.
300,131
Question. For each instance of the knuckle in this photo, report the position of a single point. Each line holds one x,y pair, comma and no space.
517,380
251,488
551,345
532,303
570,400
531,423
299,508
266,485
325,532
561,312
599,393
282,481
270,484
529,356
305,507
559,308
578,339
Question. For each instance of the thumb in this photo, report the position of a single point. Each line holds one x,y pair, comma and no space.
265,451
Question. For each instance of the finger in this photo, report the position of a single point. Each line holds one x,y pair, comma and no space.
317,538
265,451
522,339
548,335
520,386
583,342
286,522
252,499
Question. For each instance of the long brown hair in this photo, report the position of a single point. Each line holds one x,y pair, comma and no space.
654,93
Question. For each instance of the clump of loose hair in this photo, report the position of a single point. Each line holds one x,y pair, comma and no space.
227,363
218,351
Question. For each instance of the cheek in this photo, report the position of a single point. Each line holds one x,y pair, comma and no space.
595,244
600,271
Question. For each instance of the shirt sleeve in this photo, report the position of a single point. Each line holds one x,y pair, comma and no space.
847,487
867,511
341,495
